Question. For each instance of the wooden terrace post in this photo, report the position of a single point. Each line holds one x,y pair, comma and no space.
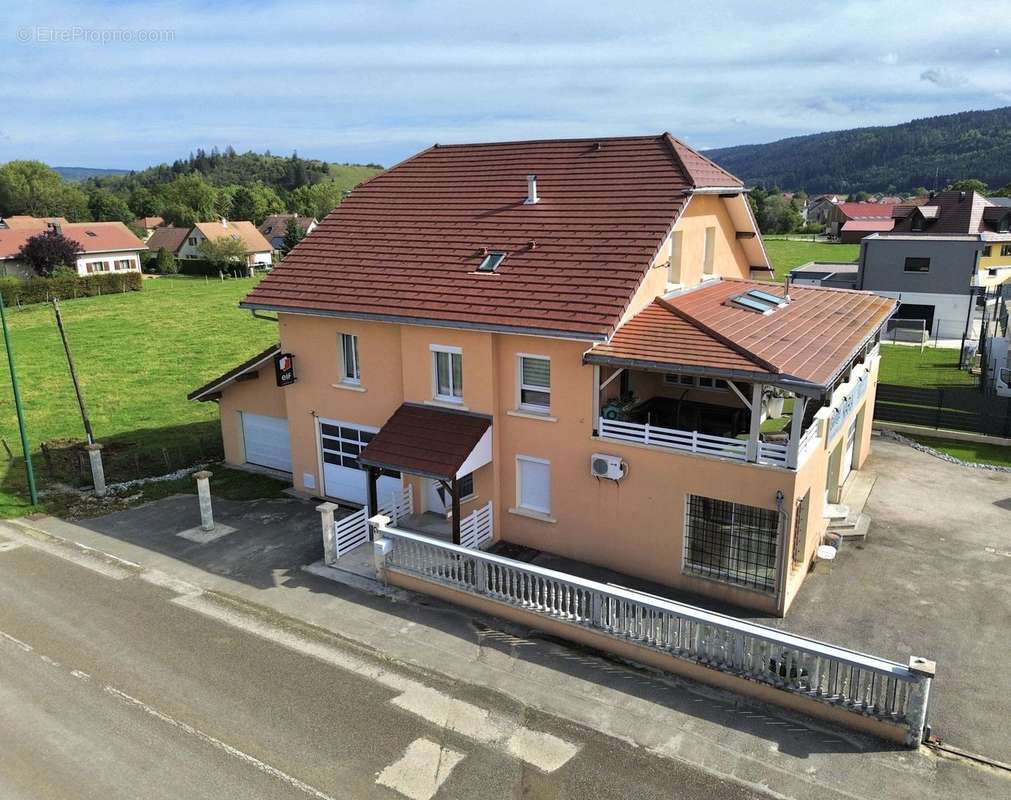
373,491
756,421
454,491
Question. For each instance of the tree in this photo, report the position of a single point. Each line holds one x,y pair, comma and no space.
30,187
179,215
193,192
1003,191
862,197
48,251
294,234
316,200
108,207
165,263
255,203
145,203
968,185
225,253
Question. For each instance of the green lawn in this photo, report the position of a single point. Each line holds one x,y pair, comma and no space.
969,451
934,368
786,254
137,356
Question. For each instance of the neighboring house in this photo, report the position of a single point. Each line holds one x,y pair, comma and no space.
106,246
851,222
936,256
168,238
258,249
24,222
819,208
275,227
149,224
564,338
831,274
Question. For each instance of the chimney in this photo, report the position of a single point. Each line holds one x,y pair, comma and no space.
224,222
786,289
531,190
56,227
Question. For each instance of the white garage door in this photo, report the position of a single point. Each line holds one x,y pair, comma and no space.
343,477
266,441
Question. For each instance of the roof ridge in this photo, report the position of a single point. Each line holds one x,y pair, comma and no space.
547,140
737,348
675,143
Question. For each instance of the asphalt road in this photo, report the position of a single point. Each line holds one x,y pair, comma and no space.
114,687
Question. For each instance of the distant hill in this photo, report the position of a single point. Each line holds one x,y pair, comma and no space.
76,174
896,158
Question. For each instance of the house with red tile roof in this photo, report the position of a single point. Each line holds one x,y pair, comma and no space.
104,246
572,349
851,222
258,249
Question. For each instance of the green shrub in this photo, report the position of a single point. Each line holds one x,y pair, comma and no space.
67,286
201,266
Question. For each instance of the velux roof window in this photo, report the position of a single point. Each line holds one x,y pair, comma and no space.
490,262
758,301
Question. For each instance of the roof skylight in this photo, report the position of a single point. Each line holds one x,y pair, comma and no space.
490,262
758,300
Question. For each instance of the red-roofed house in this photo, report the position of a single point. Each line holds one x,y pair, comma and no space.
851,222
105,246
562,345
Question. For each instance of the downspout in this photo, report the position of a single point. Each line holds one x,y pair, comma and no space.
783,553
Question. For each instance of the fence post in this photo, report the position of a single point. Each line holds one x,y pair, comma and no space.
97,471
204,493
381,546
919,699
326,512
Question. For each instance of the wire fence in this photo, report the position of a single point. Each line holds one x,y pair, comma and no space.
959,409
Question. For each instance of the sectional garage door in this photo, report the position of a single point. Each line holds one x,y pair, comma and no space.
266,441
343,477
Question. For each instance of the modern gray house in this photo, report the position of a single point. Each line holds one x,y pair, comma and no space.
938,259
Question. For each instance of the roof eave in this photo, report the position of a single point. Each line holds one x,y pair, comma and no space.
548,333
223,380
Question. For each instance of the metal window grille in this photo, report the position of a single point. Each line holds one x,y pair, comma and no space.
731,542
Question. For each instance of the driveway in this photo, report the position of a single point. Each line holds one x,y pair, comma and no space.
933,579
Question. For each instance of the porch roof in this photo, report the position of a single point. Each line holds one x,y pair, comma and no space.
810,340
431,442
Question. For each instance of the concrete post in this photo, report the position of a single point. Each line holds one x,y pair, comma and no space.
919,699
97,470
204,493
380,549
326,511
756,421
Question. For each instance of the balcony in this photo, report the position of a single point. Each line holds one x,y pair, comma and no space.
729,419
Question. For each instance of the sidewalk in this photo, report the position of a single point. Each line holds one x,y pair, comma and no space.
260,565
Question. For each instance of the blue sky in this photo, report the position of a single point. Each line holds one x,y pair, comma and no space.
376,81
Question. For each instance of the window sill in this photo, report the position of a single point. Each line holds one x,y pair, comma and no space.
524,414
526,512
351,387
446,404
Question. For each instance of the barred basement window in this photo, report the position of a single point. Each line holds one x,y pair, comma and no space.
731,542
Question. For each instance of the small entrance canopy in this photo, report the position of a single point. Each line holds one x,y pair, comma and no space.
441,444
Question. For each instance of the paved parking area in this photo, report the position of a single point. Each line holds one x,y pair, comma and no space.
933,579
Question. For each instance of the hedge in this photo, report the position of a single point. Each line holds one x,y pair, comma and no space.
201,266
17,291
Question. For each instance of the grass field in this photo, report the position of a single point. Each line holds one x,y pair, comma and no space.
786,254
969,451
934,368
137,356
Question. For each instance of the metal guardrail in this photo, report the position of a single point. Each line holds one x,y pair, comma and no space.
862,684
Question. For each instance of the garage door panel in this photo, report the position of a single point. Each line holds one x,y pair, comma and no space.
266,441
343,477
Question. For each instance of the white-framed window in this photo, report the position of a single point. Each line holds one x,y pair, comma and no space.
708,261
193,241
350,372
701,381
534,383
533,484
96,266
447,373
124,263
674,260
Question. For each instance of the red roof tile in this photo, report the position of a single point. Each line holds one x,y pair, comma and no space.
405,244
168,237
810,340
425,441
868,224
866,210
93,237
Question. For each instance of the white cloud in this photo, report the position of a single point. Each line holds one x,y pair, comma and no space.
944,78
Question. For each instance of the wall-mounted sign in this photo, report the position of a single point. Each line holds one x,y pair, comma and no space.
284,369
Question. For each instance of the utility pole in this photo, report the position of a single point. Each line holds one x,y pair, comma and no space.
73,373
33,494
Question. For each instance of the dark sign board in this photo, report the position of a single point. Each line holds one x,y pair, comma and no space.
284,369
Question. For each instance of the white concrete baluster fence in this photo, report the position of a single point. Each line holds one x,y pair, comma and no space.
886,691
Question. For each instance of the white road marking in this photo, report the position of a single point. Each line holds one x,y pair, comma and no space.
84,676
83,556
263,767
16,642
421,770
6,547
414,697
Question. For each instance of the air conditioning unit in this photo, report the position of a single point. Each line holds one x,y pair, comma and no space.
605,466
